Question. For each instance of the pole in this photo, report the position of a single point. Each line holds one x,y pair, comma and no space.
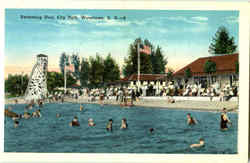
65,78
138,60
22,83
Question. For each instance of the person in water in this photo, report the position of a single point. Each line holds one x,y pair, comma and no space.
81,108
16,124
109,125
224,120
58,115
151,130
26,115
124,124
201,144
191,120
91,122
75,122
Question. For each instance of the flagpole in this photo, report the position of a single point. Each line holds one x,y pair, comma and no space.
65,77
138,60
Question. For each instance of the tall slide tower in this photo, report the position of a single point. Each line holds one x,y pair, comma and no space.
37,86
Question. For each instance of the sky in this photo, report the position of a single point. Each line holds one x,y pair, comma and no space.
183,35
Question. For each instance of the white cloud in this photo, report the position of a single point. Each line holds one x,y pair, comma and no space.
192,20
200,18
232,19
68,22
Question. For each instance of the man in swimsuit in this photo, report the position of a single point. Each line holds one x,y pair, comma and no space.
191,120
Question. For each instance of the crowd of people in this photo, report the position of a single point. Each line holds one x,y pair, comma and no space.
122,93
125,97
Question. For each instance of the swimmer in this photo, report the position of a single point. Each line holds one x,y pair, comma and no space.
224,120
74,122
151,130
26,115
9,108
81,108
58,115
16,123
109,125
201,144
91,122
191,120
124,124
39,113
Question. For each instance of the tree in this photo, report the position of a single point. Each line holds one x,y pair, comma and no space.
16,84
170,74
75,60
84,73
188,73
96,71
209,68
56,79
111,70
131,62
158,61
222,43
64,60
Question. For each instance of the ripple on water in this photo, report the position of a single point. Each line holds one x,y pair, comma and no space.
171,133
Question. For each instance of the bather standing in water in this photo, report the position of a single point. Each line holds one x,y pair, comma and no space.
109,125
124,124
16,123
224,120
75,122
81,108
191,120
91,122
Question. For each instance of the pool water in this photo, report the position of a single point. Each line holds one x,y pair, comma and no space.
171,133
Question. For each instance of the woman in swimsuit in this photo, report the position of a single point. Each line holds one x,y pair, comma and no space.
109,125
75,122
224,120
190,120
124,124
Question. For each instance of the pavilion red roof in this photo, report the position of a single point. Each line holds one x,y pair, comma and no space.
224,64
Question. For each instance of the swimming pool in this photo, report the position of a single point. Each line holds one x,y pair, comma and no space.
171,133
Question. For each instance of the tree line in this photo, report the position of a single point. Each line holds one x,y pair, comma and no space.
98,71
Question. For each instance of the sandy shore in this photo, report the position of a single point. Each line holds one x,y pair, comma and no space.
200,105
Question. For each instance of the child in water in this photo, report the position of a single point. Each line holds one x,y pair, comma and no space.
74,122
124,124
201,144
191,120
109,125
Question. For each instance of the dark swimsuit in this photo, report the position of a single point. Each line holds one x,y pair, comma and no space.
75,123
191,122
223,123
